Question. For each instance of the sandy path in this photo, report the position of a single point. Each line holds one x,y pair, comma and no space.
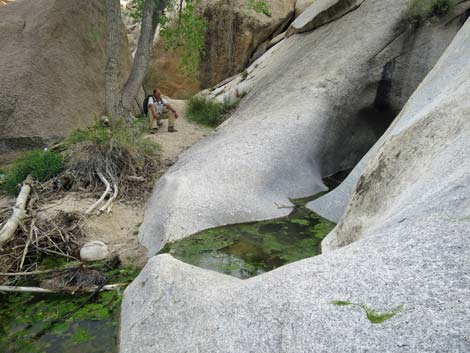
188,133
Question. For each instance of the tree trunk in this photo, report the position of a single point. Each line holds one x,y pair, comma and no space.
150,16
119,102
113,46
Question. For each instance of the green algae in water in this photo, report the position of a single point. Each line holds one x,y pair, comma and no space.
246,250
32,322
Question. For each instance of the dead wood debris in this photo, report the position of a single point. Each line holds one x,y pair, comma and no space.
36,238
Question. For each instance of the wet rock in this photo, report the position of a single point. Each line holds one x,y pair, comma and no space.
420,50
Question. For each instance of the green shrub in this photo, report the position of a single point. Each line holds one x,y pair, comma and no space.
117,151
42,165
208,112
128,136
420,10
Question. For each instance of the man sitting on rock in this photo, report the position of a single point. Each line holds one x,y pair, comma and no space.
158,109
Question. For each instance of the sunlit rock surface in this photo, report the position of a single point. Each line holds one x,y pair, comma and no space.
312,109
410,217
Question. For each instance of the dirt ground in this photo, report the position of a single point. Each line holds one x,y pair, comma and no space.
119,229
188,133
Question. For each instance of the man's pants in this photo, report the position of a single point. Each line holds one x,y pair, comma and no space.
167,115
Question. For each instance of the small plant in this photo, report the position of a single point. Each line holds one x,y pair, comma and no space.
42,165
260,6
421,10
208,112
376,317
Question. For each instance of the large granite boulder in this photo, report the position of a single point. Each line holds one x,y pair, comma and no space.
52,69
410,248
419,48
234,33
315,104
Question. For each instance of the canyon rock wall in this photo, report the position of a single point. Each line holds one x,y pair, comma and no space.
52,70
408,243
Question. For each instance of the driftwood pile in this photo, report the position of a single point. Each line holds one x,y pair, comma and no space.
25,239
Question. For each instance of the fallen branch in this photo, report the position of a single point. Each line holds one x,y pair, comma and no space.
18,212
135,178
58,147
106,192
107,206
35,273
17,289
30,238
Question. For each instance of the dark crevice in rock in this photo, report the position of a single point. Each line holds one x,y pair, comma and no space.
362,124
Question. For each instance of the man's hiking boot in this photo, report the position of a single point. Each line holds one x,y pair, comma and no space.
172,129
153,131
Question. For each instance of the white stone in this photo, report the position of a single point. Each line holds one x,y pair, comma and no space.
94,251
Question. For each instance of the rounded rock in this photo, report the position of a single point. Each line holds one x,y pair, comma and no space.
94,251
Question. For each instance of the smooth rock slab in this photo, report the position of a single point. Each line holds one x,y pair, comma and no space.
419,163
291,130
414,251
422,48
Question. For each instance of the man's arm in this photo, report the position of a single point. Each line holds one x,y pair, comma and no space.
168,105
152,108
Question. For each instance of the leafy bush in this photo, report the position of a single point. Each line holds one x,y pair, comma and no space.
208,112
420,10
42,165
187,36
